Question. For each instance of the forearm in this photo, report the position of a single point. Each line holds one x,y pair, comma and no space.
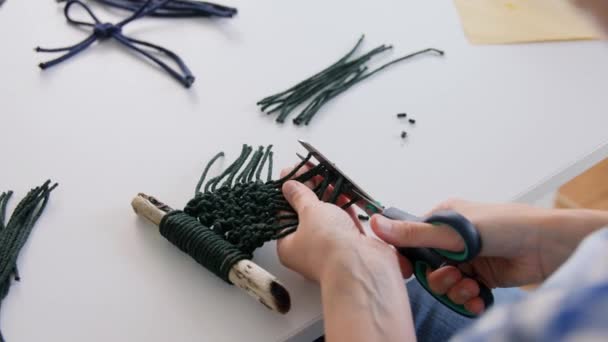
364,298
570,226
586,218
561,230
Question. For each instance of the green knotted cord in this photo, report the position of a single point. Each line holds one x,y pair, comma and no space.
204,175
14,234
237,212
200,242
267,154
327,84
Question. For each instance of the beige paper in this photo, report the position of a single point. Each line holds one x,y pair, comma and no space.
520,21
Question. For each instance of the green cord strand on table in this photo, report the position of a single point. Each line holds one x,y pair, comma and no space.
14,234
314,77
331,78
327,84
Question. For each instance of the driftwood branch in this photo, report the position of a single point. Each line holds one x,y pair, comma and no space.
245,274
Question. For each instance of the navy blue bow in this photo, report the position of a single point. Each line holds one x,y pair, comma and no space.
102,31
176,8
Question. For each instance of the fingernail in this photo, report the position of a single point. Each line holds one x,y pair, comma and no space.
289,188
384,224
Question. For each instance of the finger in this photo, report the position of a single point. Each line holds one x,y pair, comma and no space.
450,204
329,191
325,196
355,217
467,268
298,195
443,279
285,172
405,266
341,201
475,305
465,290
416,234
284,249
309,183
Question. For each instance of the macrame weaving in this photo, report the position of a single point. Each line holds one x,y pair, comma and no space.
14,234
327,84
103,31
237,211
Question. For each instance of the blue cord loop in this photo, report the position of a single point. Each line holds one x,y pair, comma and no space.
176,8
103,31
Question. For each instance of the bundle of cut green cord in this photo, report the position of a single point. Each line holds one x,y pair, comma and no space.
14,234
327,84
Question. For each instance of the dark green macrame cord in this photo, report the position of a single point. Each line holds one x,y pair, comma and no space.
237,212
328,83
14,234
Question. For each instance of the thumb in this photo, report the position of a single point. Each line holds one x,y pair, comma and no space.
285,248
416,234
298,195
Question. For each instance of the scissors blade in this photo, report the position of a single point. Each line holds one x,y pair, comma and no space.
369,205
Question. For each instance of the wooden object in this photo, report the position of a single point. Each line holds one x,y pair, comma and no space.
521,21
588,190
246,274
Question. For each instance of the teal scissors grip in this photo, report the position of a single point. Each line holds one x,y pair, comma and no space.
424,259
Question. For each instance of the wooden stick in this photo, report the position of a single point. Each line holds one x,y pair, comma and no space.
246,274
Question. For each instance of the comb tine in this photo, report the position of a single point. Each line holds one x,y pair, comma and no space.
331,167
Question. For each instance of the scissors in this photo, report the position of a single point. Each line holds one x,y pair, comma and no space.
422,259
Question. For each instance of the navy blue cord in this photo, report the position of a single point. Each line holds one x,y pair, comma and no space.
176,8
102,31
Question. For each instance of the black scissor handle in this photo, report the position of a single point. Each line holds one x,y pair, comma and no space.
464,228
424,259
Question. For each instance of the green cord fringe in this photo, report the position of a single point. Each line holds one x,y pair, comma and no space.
237,211
14,234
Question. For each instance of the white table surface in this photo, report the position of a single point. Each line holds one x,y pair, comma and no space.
492,122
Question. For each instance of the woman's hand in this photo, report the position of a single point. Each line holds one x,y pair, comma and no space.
327,236
520,244
597,8
362,289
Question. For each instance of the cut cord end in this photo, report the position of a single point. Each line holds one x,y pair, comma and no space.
188,81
